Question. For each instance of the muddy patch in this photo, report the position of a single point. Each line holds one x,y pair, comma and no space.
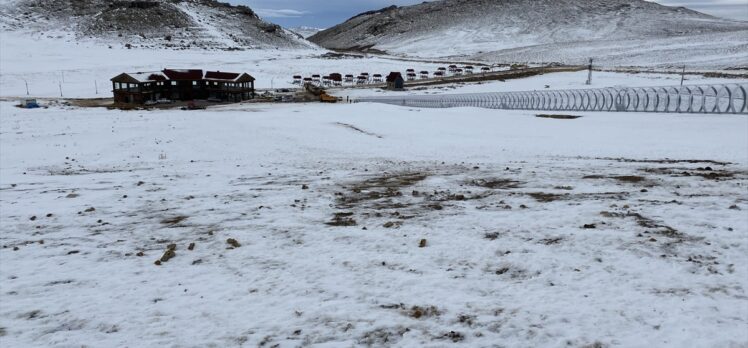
631,179
496,184
385,186
342,219
174,220
653,227
545,197
664,161
708,173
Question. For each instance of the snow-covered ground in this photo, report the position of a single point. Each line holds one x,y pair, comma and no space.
555,81
604,231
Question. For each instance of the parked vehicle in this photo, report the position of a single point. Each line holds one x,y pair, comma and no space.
29,104
326,98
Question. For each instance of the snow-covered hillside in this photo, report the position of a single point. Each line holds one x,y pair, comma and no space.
616,32
306,31
180,24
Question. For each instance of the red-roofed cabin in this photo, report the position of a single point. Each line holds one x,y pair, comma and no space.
229,86
185,85
138,88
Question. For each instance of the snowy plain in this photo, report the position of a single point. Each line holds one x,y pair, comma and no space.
361,224
501,198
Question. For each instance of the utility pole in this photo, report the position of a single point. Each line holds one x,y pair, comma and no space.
60,85
683,75
27,86
589,76
96,87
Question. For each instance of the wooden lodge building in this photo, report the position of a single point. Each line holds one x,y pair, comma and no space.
184,85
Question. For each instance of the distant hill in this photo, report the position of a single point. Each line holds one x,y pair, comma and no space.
615,31
178,24
306,31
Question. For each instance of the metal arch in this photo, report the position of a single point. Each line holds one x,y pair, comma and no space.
730,108
577,99
727,98
678,98
716,100
637,101
702,109
744,92
568,99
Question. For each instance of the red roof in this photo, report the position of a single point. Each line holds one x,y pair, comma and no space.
218,75
178,74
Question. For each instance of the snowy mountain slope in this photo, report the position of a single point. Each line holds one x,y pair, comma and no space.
153,24
306,31
471,28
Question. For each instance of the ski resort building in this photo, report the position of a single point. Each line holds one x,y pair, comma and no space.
183,85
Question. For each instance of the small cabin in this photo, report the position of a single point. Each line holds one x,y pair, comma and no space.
452,68
377,78
469,69
349,78
424,74
140,87
395,81
297,79
439,73
361,79
411,76
337,79
226,86
485,69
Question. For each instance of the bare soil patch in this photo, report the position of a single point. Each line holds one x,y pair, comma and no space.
497,184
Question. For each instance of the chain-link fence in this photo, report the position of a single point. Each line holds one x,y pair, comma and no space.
706,99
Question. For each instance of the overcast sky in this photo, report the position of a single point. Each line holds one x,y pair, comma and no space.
326,13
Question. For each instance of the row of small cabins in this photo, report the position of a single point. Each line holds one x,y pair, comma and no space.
183,85
336,79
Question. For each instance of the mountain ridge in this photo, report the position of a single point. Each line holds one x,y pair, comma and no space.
175,24
477,28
